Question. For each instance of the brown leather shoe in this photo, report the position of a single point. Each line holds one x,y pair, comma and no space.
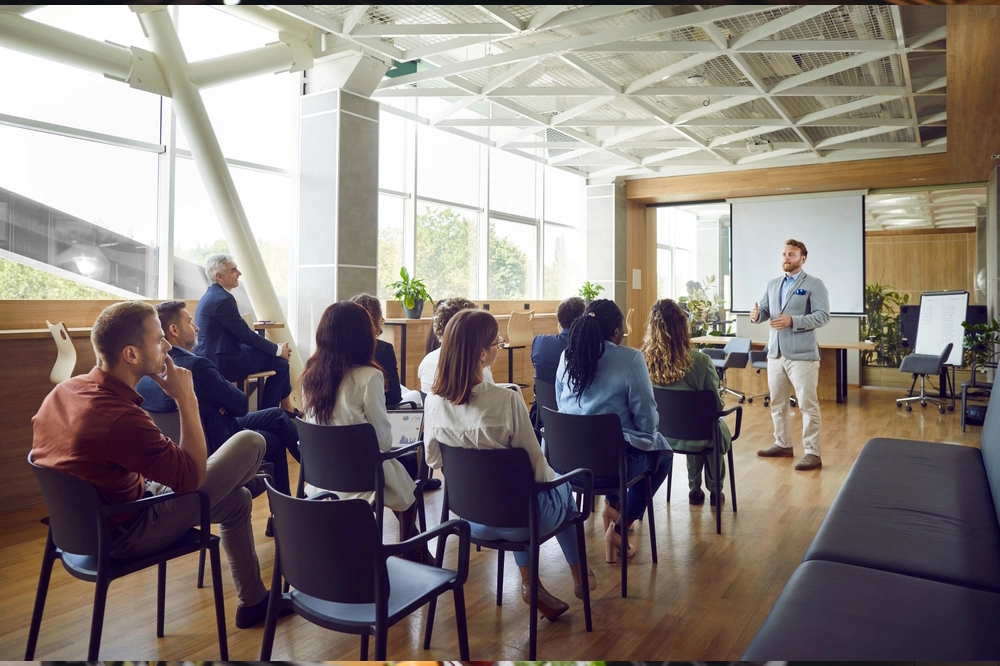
809,461
776,452
548,605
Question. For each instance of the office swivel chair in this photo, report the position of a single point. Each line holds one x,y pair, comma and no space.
735,354
922,365
758,360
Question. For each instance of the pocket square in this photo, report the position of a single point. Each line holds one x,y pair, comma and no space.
800,292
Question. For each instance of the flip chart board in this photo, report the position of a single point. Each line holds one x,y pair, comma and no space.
941,317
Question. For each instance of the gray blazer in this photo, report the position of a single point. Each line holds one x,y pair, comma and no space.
809,306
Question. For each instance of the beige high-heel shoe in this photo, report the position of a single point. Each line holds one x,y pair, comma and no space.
610,515
591,583
613,546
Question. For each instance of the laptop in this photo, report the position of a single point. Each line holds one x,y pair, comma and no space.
406,425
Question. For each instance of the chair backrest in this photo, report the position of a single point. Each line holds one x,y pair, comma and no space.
327,549
737,345
758,358
545,396
489,486
74,506
520,332
345,458
686,414
628,322
944,356
169,423
591,441
66,358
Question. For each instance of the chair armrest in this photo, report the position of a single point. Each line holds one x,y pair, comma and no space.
453,526
588,483
325,494
205,524
714,353
739,419
737,360
402,451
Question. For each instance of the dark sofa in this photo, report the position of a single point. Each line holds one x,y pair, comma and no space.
906,565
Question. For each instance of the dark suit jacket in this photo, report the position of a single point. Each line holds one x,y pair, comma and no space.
224,338
545,353
385,356
213,391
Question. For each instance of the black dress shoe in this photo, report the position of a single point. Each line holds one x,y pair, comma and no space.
294,414
696,496
432,484
269,529
251,616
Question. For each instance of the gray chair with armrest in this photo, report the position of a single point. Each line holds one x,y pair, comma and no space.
736,354
922,365
758,360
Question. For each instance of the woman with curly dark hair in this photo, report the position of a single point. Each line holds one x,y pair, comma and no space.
597,376
674,365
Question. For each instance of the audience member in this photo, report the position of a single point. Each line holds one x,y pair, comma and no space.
432,342
597,376
228,341
427,371
674,365
93,426
465,411
547,349
342,385
222,406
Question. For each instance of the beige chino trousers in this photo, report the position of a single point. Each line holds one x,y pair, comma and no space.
784,375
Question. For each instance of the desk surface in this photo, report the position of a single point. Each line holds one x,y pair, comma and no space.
426,320
721,340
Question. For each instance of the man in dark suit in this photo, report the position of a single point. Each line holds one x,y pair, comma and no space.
236,350
547,349
221,406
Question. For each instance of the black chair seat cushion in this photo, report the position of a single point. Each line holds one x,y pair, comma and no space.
84,567
411,586
916,508
837,612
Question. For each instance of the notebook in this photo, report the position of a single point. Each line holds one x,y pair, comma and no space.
406,426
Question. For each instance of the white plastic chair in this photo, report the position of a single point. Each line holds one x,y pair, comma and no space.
66,360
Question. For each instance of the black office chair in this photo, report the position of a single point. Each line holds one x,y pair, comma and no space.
545,396
497,487
345,579
735,354
977,386
595,442
693,415
922,365
758,360
79,536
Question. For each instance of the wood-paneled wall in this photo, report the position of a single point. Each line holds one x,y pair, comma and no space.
642,256
914,263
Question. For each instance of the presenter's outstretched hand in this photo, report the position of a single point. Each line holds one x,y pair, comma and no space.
755,311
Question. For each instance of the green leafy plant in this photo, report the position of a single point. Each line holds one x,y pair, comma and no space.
408,290
703,304
881,325
589,292
980,343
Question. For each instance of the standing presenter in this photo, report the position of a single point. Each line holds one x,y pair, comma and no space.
796,305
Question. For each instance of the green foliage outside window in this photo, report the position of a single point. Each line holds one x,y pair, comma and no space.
18,281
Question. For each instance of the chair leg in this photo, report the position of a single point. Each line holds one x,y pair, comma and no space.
718,491
201,569
732,478
161,593
220,604
463,632
533,605
431,607
421,516
500,559
670,482
623,528
48,559
649,510
97,621
381,636
581,546
364,647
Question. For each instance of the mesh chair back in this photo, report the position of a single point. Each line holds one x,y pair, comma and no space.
489,486
66,353
328,549
169,423
345,458
545,396
74,511
591,441
686,414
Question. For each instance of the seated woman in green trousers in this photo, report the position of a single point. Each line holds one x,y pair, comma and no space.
674,365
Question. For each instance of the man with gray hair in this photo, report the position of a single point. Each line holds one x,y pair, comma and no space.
226,340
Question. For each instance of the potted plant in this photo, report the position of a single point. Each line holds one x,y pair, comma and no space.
412,293
704,305
588,292
881,326
980,343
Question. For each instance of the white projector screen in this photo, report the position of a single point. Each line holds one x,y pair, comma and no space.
833,228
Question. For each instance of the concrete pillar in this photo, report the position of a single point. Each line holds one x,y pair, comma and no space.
338,189
606,237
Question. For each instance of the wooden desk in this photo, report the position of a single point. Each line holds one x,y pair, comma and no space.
838,350
262,327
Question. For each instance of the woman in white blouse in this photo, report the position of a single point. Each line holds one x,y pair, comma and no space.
342,385
427,371
463,410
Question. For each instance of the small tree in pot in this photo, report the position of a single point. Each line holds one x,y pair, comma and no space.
588,292
412,293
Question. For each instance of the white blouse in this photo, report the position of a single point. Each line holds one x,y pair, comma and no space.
361,399
428,369
494,418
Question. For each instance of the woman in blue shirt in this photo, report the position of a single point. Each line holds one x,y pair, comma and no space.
597,376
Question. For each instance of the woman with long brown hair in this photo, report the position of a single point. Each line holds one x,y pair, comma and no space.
342,385
674,365
465,411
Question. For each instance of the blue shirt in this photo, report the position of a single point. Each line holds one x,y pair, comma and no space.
786,287
621,386
546,350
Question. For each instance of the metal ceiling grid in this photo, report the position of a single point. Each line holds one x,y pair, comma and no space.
522,12
782,136
638,16
671,106
798,106
755,108
688,34
426,14
739,25
894,108
550,72
618,109
336,12
625,68
844,22
877,73
709,132
717,72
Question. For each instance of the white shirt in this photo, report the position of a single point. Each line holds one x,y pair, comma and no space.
494,418
361,399
428,369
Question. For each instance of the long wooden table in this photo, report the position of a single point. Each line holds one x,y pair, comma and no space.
838,349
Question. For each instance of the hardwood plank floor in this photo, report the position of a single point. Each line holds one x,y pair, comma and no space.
704,600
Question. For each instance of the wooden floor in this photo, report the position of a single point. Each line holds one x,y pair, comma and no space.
704,600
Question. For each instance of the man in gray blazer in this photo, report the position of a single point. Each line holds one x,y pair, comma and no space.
796,305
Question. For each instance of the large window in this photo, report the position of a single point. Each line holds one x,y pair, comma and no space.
447,250
512,259
688,249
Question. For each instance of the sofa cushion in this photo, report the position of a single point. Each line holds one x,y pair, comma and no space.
917,508
830,611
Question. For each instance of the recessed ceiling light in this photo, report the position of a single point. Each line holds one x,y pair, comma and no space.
695,79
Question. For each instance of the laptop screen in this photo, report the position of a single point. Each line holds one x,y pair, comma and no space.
406,426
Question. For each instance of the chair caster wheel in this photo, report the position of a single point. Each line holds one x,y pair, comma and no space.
909,409
767,402
898,405
923,404
951,408
941,410
750,400
740,401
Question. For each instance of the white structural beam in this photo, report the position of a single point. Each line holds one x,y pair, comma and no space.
498,13
838,91
429,50
44,41
508,75
305,18
449,29
544,15
853,136
845,108
769,156
211,164
277,20
739,136
820,46
453,109
270,59
668,155
935,35
586,15
579,110
547,91
714,107
826,70
585,68
653,47
627,135
934,118
904,62
352,18
669,70
779,24
688,91
573,154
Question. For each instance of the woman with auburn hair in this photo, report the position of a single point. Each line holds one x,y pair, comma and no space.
674,365
342,385
465,411
597,376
